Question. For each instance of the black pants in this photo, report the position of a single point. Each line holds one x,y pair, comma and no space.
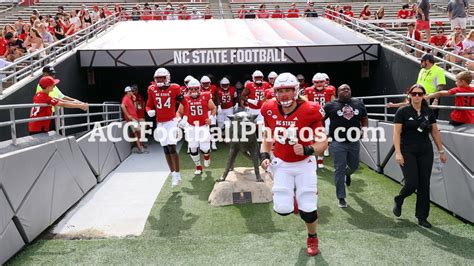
417,174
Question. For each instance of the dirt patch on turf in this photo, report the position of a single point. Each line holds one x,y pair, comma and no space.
81,235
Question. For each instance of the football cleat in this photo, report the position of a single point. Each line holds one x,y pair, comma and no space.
312,246
207,163
326,153
198,170
175,180
320,166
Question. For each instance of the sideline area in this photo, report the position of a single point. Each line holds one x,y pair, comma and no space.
183,229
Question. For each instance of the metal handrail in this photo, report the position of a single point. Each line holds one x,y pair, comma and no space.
385,98
60,117
363,27
36,61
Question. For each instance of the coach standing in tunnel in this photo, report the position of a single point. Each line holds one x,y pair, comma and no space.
345,114
414,151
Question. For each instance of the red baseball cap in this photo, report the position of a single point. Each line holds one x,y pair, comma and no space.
48,81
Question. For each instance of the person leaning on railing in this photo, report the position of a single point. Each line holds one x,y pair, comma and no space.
414,152
460,117
47,85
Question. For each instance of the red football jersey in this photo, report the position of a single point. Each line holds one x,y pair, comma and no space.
257,93
184,90
319,96
163,101
463,116
227,97
196,109
212,90
43,125
269,94
305,115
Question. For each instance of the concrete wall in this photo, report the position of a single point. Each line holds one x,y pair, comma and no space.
58,174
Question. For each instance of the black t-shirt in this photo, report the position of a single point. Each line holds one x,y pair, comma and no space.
408,117
345,115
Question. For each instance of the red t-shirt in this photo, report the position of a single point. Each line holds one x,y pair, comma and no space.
227,97
257,93
278,14
349,13
319,96
241,13
415,35
263,14
305,115
131,106
438,41
463,116
196,109
365,13
163,101
403,14
43,111
293,13
3,46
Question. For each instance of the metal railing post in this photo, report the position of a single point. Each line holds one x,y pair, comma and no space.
88,119
57,121
13,125
106,114
385,111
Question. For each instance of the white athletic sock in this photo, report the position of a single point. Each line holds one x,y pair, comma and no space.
196,159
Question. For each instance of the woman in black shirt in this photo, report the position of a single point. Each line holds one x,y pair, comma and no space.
414,151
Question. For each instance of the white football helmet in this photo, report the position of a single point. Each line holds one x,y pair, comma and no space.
286,81
162,72
257,77
272,76
325,76
225,83
205,82
317,78
187,79
300,77
194,87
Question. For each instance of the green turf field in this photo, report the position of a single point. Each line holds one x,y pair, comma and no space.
184,229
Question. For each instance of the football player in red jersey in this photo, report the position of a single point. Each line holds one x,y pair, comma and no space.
328,83
206,86
47,84
227,99
184,88
194,117
269,93
321,94
293,166
163,97
253,94
303,83
271,78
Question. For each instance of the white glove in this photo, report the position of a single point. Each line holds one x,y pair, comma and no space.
183,122
151,113
213,119
219,109
252,101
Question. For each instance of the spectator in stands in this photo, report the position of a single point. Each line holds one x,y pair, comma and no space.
34,42
9,28
241,12
293,12
195,14
102,14
130,113
365,13
348,12
157,13
36,13
460,117
411,36
423,18
33,20
413,11
87,19
455,46
328,12
15,46
380,15
250,13
81,12
431,77
45,35
310,11
3,46
262,12
403,13
278,13
208,13
438,41
147,13
69,28
457,14
75,20
95,13
25,32
414,152
468,45
117,9
46,85
58,30
107,12
61,10
19,25
135,15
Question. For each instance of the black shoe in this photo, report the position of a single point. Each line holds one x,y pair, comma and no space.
424,223
342,203
397,208
348,180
